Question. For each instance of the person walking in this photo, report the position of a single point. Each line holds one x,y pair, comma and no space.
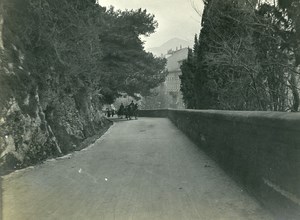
107,112
121,111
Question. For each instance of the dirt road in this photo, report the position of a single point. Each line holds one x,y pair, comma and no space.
140,169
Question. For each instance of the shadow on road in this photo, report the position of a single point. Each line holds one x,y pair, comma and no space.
121,119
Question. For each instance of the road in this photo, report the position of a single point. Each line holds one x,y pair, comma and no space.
140,169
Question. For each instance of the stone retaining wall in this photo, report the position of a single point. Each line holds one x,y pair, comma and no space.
261,150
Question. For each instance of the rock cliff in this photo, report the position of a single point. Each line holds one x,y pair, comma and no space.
39,121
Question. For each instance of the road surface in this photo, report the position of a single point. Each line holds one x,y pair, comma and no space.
140,169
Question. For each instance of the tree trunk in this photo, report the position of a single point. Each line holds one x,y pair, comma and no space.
295,93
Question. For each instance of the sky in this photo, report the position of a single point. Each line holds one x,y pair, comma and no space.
176,18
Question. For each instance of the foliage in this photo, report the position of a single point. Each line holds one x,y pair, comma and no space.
66,46
187,80
61,60
242,59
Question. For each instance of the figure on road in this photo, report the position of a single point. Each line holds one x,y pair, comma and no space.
108,112
131,105
127,112
135,110
121,111
130,110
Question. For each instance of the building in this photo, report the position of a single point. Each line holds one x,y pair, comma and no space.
172,83
168,94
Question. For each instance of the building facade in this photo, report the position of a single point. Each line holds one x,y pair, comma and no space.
172,83
168,94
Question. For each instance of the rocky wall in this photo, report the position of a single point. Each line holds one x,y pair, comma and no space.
42,113
27,139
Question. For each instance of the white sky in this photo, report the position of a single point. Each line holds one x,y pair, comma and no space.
176,18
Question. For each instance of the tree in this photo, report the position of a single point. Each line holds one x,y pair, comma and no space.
219,61
291,10
270,38
187,80
61,61
78,45
242,59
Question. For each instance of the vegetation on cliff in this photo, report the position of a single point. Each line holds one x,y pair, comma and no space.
61,60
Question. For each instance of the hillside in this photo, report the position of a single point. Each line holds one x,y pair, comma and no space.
170,44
